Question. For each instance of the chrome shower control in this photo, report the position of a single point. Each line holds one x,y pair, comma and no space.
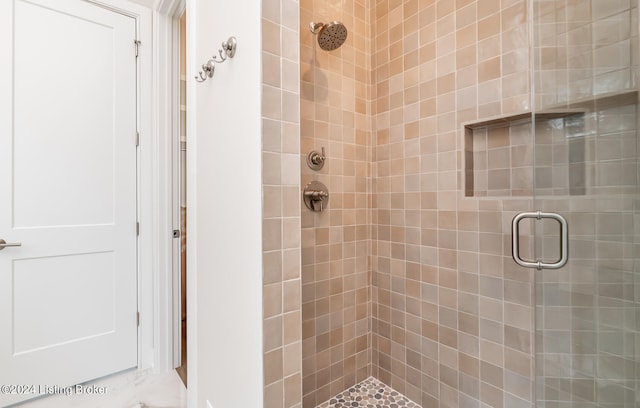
316,196
315,160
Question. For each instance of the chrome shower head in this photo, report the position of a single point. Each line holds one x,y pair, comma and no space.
330,36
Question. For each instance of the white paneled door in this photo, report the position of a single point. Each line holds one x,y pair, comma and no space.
68,295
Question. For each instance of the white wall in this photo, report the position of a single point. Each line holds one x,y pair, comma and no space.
224,201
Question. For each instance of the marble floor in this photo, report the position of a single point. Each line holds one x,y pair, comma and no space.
369,393
131,389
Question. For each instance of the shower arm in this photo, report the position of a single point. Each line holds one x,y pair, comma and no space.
315,27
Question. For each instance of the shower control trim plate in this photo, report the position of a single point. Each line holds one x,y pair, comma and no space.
316,196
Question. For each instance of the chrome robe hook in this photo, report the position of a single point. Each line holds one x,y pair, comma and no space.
228,50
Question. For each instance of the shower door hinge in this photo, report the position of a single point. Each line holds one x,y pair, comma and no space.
137,44
137,138
138,319
137,229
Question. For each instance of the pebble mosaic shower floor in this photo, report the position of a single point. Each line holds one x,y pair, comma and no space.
370,393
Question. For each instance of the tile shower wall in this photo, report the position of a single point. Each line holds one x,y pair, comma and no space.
452,315
336,114
444,317
282,311
587,164
586,321
584,48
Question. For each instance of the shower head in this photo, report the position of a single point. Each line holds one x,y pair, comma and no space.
331,35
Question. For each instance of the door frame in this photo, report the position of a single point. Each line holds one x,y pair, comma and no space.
157,26
147,194
157,29
166,91
172,11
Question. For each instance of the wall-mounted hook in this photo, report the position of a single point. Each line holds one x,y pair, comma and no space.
228,50
207,71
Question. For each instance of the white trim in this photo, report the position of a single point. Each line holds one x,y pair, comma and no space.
192,227
165,74
176,108
175,202
163,220
146,193
167,89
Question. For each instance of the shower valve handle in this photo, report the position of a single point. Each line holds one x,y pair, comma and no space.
316,195
317,158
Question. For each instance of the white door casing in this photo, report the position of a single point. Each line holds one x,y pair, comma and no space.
68,296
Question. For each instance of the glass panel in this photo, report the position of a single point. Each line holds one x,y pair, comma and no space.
586,168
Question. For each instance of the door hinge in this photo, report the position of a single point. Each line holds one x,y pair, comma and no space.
137,45
137,138
137,229
138,319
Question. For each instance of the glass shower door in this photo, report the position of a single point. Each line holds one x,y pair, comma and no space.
586,169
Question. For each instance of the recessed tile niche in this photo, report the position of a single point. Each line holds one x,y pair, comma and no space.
499,157
502,159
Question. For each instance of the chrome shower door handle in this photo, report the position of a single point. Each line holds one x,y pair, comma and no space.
4,244
564,240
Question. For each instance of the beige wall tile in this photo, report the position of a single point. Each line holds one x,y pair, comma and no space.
403,276
281,205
